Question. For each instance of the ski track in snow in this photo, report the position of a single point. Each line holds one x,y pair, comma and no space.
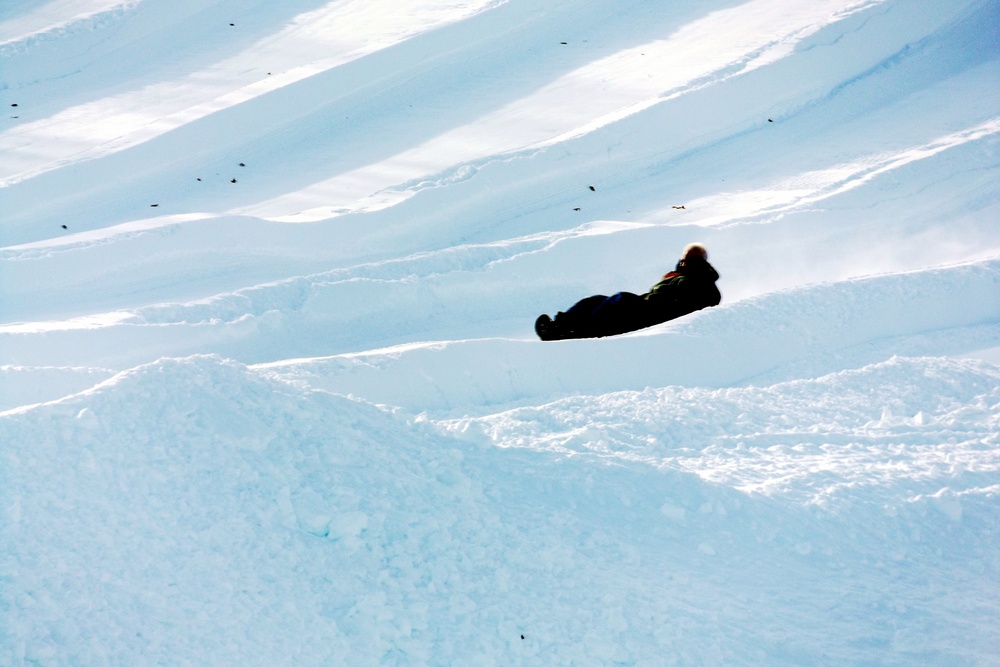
269,392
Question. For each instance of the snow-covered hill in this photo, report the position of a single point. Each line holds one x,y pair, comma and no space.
269,387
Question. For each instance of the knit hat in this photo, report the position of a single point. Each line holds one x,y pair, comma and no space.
692,250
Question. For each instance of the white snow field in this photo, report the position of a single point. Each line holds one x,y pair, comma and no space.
269,388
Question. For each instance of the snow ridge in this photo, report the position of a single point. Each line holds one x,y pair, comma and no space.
226,496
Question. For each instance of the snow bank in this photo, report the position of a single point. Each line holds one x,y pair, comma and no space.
818,441
195,511
796,333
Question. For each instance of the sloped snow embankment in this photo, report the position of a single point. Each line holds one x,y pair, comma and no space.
195,510
796,333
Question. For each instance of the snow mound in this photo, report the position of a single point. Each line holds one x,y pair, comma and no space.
906,427
195,499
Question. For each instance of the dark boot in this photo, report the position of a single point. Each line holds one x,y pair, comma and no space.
546,328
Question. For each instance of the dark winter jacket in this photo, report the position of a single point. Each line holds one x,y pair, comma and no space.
690,287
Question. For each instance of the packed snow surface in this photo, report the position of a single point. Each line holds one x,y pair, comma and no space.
269,388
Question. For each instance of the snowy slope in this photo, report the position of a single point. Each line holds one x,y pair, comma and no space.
269,392
193,509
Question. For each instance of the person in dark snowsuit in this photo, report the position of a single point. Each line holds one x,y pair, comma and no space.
690,287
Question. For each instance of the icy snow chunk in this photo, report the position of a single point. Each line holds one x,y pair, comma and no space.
949,504
673,512
348,526
310,513
86,419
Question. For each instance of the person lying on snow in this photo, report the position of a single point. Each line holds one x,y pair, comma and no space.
690,287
